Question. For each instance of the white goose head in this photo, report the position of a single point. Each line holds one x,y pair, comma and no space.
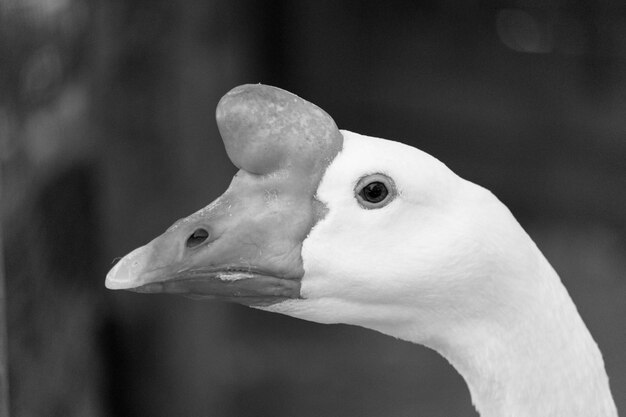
427,251
336,227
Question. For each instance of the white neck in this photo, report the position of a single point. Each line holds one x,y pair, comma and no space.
538,360
539,368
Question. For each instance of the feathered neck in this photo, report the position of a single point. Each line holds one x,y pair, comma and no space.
536,359
546,364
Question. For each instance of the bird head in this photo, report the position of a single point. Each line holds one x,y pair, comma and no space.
325,225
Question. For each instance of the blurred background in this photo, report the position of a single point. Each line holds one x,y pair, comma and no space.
107,136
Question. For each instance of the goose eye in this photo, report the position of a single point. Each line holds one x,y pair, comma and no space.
375,191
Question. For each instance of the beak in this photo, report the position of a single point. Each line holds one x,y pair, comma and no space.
244,286
239,248
246,245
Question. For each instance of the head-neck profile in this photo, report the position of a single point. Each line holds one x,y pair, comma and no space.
436,260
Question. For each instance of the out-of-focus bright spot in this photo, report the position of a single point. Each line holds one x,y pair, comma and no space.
522,32
42,71
45,7
41,11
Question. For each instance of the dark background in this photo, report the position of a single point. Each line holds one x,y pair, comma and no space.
107,136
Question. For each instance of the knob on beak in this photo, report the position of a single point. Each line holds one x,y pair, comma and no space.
265,129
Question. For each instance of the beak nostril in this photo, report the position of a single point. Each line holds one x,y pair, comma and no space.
197,237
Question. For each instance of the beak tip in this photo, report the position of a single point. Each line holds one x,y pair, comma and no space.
119,277
127,272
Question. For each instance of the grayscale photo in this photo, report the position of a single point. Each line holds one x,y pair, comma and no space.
214,208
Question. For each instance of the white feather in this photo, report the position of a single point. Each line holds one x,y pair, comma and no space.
446,265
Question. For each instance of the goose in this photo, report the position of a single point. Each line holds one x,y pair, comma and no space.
331,226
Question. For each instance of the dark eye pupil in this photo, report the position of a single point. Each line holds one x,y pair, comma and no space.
374,192
197,237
